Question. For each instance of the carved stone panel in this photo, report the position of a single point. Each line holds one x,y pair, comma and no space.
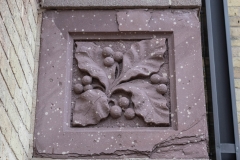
121,84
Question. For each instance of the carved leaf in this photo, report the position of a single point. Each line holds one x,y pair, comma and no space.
90,108
90,59
144,58
148,103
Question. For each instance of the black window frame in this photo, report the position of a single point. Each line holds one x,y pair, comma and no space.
222,106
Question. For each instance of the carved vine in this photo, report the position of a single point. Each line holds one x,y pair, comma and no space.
133,72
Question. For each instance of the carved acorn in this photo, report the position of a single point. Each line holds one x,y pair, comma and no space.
109,61
162,89
86,80
107,52
123,102
129,113
115,112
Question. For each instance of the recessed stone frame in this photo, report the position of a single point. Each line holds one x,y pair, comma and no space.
186,136
94,112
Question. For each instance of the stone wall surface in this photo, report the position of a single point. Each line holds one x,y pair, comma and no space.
234,18
18,48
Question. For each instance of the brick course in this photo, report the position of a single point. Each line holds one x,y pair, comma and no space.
234,16
233,3
18,36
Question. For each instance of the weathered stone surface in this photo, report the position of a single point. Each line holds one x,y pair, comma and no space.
27,94
111,4
104,4
131,75
236,62
188,115
16,67
237,83
185,3
236,51
233,11
236,72
238,106
130,21
235,32
235,42
5,150
235,21
234,3
6,126
7,73
237,91
238,115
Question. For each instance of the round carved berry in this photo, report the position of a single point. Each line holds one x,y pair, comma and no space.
109,61
129,113
78,88
86,80
115,112
155,79
118,56
123,102
162,89
107,52
164,80
87,87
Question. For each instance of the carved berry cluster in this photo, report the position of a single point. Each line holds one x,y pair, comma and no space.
162,81
86,85
110,56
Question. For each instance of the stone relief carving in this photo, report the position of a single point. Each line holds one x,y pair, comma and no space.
115,84
59,109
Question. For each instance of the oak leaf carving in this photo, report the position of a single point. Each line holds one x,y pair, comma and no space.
90,108
148,103
89,59
143,59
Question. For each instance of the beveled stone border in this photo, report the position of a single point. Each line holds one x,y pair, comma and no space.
122,36
113,4
56,141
